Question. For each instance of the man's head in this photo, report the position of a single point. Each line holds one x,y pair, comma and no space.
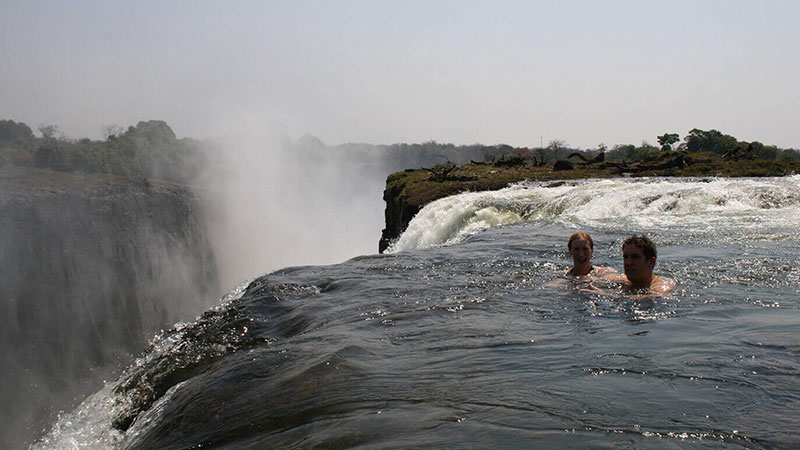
639,258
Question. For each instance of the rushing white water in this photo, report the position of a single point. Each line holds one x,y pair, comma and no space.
89,426
765,207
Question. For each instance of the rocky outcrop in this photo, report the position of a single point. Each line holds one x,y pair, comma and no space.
399,211
92,267
563,165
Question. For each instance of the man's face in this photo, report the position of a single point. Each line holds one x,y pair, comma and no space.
581,252
637,266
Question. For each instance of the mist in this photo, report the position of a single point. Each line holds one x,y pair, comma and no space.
91,272
272,202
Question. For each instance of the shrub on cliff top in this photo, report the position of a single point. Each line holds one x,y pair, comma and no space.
16,135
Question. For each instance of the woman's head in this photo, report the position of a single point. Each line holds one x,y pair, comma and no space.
580,235
581,249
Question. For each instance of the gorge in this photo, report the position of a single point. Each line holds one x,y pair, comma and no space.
92,267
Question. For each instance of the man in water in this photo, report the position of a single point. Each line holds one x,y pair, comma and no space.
639,259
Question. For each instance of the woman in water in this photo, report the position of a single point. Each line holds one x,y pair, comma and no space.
581,248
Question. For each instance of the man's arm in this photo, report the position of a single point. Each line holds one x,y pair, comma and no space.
614,276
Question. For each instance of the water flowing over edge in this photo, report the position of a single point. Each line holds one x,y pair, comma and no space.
88,425
764,206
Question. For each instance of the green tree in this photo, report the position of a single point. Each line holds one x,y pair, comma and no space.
789,155
157,152
52,155
48,132
667,139
111,131
711,141
16,135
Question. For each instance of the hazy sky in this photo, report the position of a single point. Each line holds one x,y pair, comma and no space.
584,72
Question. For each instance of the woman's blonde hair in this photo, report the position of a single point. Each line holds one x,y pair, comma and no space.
580,235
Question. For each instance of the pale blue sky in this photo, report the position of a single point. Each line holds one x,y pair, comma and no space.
584,72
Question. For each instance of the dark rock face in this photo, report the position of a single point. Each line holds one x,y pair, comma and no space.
398,214
90,269
563,165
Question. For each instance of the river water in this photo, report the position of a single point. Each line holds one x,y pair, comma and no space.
457,339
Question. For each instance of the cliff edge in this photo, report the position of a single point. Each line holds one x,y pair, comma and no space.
92,267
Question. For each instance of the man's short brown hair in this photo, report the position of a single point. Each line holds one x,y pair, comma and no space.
644,243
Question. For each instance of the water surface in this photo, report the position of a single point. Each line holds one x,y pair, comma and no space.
456,340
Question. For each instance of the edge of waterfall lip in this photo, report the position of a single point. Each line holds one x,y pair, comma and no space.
408,191
693,204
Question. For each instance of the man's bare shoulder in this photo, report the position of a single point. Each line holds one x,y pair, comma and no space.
662,284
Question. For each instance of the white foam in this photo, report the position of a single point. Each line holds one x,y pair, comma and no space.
616,204
89,426
451,219
86,427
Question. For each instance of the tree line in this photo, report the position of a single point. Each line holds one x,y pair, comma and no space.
702,141
149,150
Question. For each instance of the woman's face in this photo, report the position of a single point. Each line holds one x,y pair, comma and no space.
581,252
